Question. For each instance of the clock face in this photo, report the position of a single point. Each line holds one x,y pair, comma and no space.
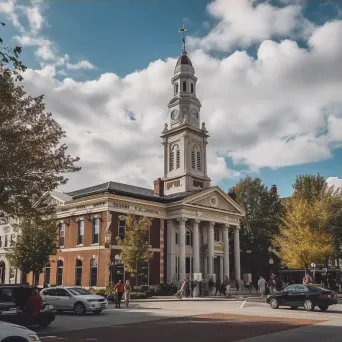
184,110
174,114
194,115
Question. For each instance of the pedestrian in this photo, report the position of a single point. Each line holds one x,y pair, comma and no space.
119,290
237,286
262,286
182,290
217,286
34,303
227,285
211,284
128,290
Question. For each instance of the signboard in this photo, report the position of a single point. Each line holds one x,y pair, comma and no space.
198,276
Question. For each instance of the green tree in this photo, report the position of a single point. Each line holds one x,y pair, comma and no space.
327,205
260,225
135,246
33,159
301,241
36,241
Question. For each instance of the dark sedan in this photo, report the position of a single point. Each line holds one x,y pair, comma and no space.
307,296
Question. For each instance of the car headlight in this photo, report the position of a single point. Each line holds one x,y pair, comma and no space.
91,300
34,338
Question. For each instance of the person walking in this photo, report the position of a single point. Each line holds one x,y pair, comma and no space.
237,286
227,286
119,290
182,290
217,286
262,286
128,290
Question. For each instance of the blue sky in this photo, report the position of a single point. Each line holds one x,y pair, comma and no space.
124,37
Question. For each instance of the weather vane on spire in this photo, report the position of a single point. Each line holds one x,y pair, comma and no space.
183,30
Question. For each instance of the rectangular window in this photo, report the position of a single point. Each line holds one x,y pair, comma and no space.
184,86
96,230
47,273
121,229
80,235
0,242
12,274
6,241
192,88
177,266
61,234
178,159
216,236
12,239
187,265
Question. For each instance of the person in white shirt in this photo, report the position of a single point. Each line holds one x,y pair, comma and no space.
262,286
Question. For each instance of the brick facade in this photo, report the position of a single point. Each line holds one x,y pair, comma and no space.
71,251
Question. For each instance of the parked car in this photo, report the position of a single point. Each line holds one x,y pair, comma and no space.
72,298
13,303
307,296
15,333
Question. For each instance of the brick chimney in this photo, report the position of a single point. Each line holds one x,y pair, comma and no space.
232,195
159,187
274,189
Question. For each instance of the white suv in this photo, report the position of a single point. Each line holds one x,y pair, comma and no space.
72,298
15,333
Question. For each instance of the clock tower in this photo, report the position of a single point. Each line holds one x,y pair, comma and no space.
184,139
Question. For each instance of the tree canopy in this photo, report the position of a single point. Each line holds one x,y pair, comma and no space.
34,159
301,240
261,223
37,240
135,245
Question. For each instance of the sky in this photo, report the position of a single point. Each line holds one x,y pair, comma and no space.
269,80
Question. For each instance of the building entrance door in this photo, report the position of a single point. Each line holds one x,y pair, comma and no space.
2,272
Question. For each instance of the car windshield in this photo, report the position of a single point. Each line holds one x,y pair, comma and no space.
78,291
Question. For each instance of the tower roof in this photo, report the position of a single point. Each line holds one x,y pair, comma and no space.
183,60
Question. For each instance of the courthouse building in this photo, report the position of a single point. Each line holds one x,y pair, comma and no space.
195,226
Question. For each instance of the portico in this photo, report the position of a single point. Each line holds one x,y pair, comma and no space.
199,238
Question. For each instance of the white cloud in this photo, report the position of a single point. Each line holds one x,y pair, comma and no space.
335,182
244,22
279,109
35,18
80,65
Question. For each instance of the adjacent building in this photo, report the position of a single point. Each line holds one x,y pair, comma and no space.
195,226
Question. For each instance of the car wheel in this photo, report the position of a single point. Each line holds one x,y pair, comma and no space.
308,305
294,307
79,309
97,311
44,324
324,307
274,303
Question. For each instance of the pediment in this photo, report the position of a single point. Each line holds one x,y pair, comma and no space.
215,199
54,199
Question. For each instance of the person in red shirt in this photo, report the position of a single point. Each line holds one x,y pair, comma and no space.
119,290
34,303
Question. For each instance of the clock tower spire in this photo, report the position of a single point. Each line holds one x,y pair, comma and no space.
185,141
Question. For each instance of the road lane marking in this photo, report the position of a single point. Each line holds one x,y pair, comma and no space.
243,303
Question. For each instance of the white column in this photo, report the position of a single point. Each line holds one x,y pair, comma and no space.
195,247
226,251
170,253
237,252
221,268
182,273
211,247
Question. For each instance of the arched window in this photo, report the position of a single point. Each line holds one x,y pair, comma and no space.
47,272
196,158
188,238
175,157
93,272
184,86
59,275
78,272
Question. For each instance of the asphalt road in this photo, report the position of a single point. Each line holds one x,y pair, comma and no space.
69,327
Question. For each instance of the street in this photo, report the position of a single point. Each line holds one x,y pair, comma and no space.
193,319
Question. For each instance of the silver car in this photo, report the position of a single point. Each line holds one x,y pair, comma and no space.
72,298
13,332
